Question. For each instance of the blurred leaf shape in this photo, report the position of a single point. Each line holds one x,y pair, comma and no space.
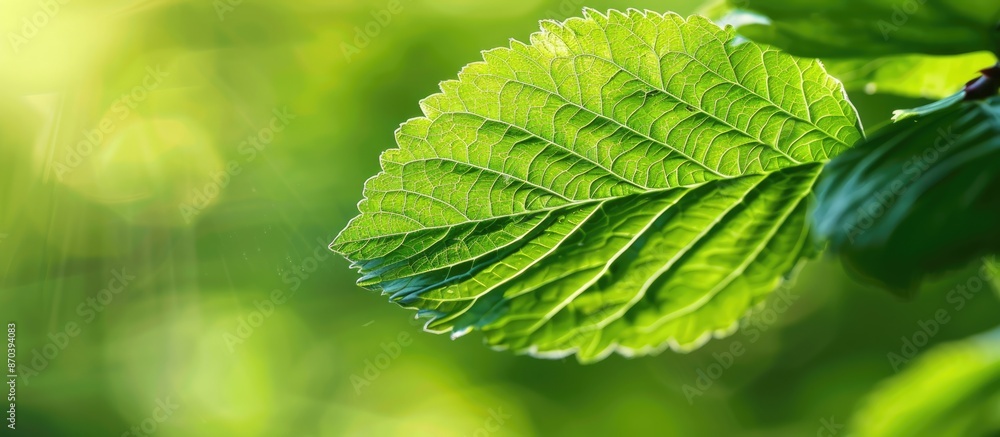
952,390
931,77
917,197
625,182
944,104
856,28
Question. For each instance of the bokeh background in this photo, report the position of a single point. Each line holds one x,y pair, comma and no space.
122,126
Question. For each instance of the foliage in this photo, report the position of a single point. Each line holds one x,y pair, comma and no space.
873,28
632,181
917,196
627,181
953,390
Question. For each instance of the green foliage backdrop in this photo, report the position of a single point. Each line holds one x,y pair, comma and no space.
173,172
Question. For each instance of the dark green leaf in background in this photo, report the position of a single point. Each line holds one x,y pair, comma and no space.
625,182
918,197
872,28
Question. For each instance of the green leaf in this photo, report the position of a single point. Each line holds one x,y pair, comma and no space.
918,197
992,266
952,390
625,182
931,77
859,28
930,108
909,75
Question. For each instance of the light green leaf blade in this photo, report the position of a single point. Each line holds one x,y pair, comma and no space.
930,77
625,182
944,104
918,197
856,28
952,390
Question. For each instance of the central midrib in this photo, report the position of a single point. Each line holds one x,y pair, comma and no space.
578,203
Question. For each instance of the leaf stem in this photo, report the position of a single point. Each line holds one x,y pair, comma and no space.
985,86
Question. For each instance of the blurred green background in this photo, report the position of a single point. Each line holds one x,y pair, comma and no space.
125,153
